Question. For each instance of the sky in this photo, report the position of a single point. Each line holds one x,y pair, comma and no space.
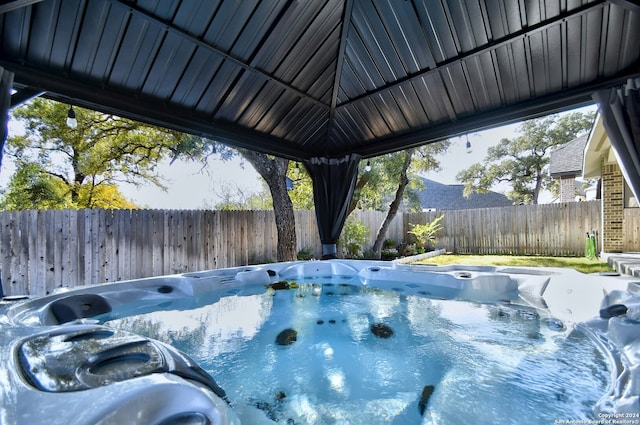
190,187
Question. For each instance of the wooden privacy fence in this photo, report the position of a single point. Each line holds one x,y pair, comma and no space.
44,250
549,229
41,250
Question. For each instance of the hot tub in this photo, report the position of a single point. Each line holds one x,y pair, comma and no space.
327,342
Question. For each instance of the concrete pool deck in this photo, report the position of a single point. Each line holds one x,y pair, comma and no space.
624,263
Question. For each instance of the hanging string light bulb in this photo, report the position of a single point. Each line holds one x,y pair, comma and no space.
71,118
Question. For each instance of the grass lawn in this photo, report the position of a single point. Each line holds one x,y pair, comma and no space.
579,263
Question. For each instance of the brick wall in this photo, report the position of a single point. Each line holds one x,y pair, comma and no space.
612,207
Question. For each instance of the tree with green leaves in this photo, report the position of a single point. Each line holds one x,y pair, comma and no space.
392,175
233,197
62,167
384,183
299,187
523,161
381,177
31,187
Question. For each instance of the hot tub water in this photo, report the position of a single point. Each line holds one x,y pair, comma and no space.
445,361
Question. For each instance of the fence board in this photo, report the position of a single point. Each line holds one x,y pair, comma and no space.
631,230
48,225
20,260
124,244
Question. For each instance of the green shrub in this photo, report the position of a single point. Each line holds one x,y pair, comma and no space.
353,237
389,254
389,244
426,233
255,259
305,254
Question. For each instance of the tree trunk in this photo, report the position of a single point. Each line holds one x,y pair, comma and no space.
75,188
362,182
538,187
395,205
274,171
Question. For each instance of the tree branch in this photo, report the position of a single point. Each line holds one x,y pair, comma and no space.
58,176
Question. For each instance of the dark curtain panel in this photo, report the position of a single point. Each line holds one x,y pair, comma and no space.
334,180
620,110
6,84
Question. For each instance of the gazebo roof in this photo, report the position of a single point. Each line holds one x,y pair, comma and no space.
307,78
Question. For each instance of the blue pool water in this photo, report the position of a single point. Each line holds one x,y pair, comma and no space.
446,361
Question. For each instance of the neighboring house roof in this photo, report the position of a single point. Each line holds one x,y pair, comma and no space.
450,197
568,158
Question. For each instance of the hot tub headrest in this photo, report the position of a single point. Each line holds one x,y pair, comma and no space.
79,307
82,357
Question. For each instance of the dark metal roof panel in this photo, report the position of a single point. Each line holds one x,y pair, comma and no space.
218,87
193,16
410,105
302,36
403,27
102,47
310,66
165,9
168,67
322,87
376,50
433,98
134,60
196,78
620,46
243,91
227,23
41,32
351,84
389,108
349,120
365,74
483,81
273,116
261,103
457,89
437,30
345,126
310,124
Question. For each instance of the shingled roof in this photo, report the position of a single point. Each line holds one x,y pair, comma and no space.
567,159
441,196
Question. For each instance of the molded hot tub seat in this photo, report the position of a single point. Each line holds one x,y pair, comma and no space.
58,374
143,368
